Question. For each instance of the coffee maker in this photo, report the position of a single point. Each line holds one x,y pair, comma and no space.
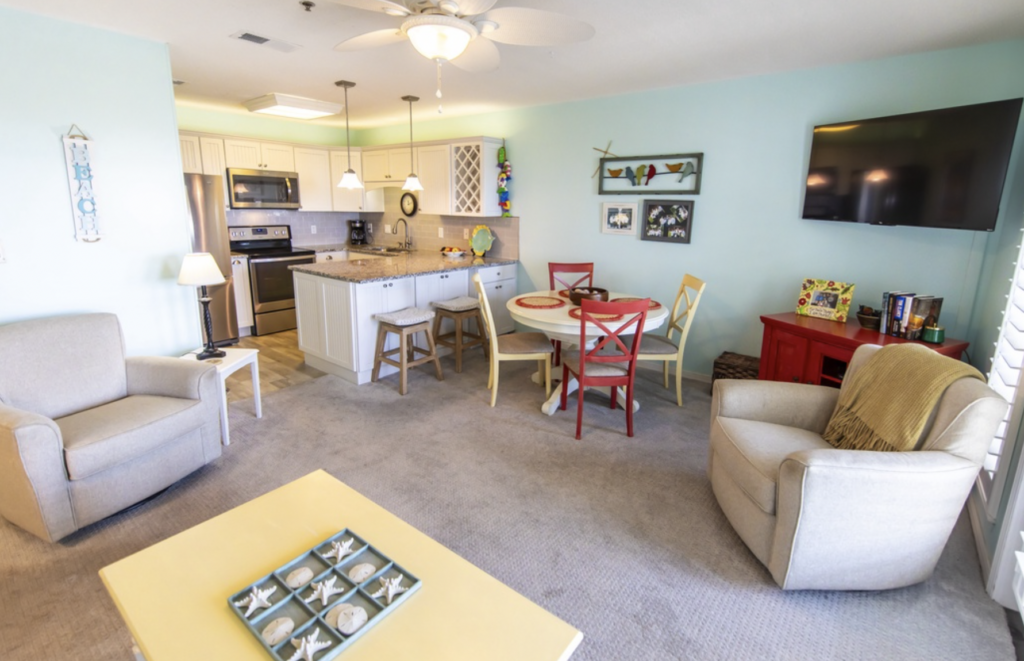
357,233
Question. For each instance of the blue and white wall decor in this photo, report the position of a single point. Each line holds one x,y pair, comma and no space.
78,151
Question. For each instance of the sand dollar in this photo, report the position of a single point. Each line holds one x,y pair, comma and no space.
346,618
361,572
278,630
299,577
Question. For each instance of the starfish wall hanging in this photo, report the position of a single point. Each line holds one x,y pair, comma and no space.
606,154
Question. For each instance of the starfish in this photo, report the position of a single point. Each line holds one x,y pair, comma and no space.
324,590
606,155
257,599
340,549
390,587
308,646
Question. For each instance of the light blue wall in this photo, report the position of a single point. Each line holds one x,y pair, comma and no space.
117,89
749,241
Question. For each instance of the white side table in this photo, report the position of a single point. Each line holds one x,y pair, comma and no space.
234,360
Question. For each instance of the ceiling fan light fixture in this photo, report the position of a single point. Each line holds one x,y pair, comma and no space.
439,37
449,6
294,107
486,26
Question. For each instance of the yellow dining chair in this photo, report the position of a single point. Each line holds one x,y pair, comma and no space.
512,346
666,349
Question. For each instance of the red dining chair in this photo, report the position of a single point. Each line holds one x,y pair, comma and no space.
612,360
586,269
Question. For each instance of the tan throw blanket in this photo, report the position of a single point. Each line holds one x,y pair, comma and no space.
887,402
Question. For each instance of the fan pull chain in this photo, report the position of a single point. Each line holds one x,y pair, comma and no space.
440,110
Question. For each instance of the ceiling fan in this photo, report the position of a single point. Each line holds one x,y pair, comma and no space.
451,30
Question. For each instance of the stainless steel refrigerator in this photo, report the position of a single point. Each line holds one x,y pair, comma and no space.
210,234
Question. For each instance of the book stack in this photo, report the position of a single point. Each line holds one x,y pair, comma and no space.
905,314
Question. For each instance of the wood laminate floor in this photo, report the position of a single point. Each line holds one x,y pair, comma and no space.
281,365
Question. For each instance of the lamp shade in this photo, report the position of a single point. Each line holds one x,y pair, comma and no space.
439,37
199,269
350,180
412,183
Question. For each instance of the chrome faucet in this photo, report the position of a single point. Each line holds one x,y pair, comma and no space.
407,243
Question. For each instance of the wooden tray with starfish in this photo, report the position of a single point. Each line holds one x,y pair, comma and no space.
321,602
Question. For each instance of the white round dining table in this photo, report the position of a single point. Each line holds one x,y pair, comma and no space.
557,324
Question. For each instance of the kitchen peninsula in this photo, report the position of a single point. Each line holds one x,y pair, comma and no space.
336,301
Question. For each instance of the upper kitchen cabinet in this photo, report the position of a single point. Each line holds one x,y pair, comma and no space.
345,199
253,155
474,177
314,169
434,167
202,155
387,165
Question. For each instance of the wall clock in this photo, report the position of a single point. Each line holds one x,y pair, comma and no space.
409,204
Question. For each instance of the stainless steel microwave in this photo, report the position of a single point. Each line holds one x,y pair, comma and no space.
263,189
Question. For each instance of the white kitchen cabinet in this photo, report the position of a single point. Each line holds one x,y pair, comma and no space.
314,169
255,155
500,287
212,150
323,310
372,298
344,199
434,287
243,298
434,167
191,156
387,165
332,256
475,177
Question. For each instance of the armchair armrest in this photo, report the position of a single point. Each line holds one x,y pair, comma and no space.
34,491
170,377
849,519
791,404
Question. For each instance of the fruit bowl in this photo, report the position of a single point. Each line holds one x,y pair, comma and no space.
587,293
452,252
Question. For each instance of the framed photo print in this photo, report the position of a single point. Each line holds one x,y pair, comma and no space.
618,218
667,220
825,299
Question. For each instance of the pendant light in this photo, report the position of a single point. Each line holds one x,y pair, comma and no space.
412,183
350,179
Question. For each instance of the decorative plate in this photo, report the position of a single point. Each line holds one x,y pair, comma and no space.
577,313
482,240
629,299
539,302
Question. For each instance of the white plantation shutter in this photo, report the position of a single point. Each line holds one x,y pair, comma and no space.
1005,378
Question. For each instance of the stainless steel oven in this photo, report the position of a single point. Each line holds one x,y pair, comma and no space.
272,287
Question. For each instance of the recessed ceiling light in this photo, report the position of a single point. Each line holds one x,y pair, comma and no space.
295,107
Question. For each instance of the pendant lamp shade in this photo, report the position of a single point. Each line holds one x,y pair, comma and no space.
412,182
349,179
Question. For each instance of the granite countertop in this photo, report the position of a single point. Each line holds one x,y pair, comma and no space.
392,267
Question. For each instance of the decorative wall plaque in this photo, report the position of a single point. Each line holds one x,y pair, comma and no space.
78,152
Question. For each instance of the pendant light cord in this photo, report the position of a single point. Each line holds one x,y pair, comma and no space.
348,140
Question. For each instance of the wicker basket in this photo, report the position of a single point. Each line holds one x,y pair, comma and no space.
735,366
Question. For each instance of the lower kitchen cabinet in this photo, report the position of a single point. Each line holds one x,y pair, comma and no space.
373,298
243,297
500,287
332,256
435,287
323,310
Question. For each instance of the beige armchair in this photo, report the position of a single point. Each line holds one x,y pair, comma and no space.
86,432
828,519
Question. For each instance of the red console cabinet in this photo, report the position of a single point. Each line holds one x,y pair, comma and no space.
809,350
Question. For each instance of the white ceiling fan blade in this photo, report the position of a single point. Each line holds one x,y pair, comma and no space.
474,7
481,55
374,39
389,7
521,26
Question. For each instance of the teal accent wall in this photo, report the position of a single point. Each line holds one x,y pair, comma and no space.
117,89
210,120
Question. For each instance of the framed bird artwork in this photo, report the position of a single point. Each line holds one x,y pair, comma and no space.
668,174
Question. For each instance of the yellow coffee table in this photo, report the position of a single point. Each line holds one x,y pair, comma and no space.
174,594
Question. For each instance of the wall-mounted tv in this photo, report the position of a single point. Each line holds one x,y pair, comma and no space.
940,168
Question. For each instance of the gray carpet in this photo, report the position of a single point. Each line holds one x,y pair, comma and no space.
620,537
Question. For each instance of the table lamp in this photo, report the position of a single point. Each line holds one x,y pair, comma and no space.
200,269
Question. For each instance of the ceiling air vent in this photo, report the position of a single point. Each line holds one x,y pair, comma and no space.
269,42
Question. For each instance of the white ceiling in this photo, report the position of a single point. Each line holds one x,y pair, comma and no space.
639,44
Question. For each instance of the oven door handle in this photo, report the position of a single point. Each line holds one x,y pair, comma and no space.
296,258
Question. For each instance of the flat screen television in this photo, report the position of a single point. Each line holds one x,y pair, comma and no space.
940,168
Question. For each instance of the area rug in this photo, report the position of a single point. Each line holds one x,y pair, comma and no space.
621,537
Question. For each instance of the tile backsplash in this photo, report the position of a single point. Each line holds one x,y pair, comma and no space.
332,227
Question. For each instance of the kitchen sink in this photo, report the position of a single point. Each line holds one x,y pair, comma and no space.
391,250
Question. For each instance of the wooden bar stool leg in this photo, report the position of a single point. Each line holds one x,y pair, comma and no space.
458,344
403,360
433,352
381,334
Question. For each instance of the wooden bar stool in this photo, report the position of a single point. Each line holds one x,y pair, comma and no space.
459,310
405,323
